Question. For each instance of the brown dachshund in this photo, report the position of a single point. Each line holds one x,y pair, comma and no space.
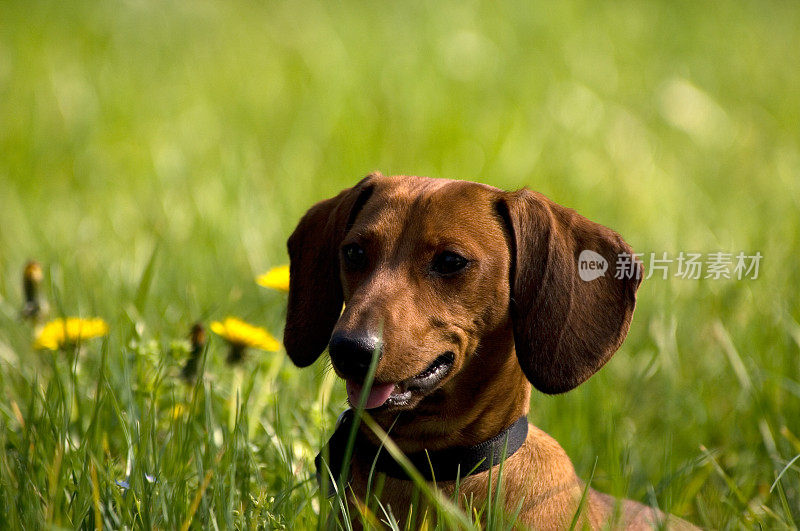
465,294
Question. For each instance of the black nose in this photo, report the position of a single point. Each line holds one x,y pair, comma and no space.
351,354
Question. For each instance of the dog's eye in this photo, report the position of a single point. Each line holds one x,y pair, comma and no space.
448,263
354,255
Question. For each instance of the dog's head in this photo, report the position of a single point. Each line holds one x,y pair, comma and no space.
433,271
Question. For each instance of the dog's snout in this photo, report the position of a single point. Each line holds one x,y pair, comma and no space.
351,354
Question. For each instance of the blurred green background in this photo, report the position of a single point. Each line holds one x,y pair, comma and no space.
198,133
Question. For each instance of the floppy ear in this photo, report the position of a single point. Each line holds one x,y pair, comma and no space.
565,328
315,289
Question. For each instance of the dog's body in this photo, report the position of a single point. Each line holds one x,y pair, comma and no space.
469,294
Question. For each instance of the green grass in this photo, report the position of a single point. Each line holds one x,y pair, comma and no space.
197,134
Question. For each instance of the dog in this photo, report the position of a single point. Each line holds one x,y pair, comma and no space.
460,296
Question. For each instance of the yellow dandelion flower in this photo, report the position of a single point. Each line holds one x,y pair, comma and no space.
70,331
178,410
276,278
241,336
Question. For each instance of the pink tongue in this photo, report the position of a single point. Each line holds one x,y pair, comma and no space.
378,395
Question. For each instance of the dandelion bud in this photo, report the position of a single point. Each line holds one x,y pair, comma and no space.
32,276
197,337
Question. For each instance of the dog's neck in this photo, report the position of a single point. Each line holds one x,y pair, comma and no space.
488,395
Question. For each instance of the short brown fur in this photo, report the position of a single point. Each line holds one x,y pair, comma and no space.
518,314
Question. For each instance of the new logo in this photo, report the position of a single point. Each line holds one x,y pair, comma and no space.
591,265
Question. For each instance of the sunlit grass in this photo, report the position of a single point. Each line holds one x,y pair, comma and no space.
154,157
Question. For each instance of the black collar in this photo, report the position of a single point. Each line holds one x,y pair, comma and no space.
443,465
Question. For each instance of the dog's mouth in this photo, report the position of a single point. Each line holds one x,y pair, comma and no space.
400,394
